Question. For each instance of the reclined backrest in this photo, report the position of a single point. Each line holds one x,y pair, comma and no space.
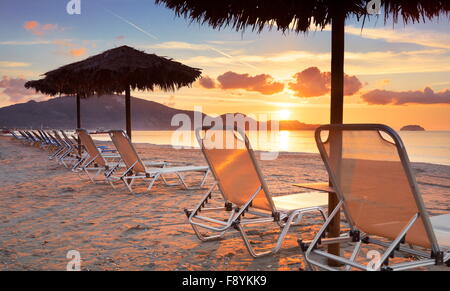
91,148
41,133
52,138
127,151
30,136
37,136
233,164
22,133
66,138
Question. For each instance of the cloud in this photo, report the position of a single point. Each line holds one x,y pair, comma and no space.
421,37
310,83
34,42
314,83
427,96
39,29
30,25
120,37
15,90
74,50
384,82
77,52
207,82
14,64
263,83
179,45
64,42
351,85
372,62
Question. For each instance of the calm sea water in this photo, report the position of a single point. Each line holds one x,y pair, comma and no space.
426,147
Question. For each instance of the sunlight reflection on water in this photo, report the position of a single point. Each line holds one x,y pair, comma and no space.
427,147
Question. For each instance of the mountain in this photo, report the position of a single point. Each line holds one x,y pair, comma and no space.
412,128
107,112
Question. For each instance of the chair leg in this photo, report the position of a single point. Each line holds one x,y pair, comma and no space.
196,228
171,184
248,244
354,255
92,177
206,238
187,187
128,184
294,216
77,164
150,186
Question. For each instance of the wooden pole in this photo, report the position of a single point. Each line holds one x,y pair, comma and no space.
128,111
79,120
78,111
337,109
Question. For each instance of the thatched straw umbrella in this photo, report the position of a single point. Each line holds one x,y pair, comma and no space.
301,16
47,87
116,71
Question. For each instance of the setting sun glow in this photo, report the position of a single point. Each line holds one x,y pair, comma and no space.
284,114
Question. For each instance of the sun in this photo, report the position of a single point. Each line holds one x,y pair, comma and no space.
284,114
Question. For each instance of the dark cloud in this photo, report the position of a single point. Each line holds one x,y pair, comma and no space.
351,85
263,83
427,96
15,90
207,82
314,83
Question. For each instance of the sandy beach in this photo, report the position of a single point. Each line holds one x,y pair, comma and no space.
46,211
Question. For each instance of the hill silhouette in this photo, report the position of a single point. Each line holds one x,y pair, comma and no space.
105,112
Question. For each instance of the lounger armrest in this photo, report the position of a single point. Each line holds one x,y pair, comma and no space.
322,187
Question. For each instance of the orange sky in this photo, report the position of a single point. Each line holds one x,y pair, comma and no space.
395,76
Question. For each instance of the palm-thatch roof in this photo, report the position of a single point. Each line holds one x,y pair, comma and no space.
297,15
115,70
46,87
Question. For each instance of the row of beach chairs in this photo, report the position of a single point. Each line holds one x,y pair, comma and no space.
368,168
79,153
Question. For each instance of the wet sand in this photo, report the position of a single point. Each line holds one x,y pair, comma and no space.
46,211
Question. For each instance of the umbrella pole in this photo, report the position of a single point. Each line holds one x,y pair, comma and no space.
128,111
336,113
79,120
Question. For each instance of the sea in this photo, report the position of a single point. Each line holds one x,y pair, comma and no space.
422,146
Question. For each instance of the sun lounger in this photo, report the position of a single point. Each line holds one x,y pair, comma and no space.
52,146
72,156
247,198
94,162
26,137
378,192
31,138
149,171
58,148
65,155
18,136
52,139
41,141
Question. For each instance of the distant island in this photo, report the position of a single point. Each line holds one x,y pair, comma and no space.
412,128
107,112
